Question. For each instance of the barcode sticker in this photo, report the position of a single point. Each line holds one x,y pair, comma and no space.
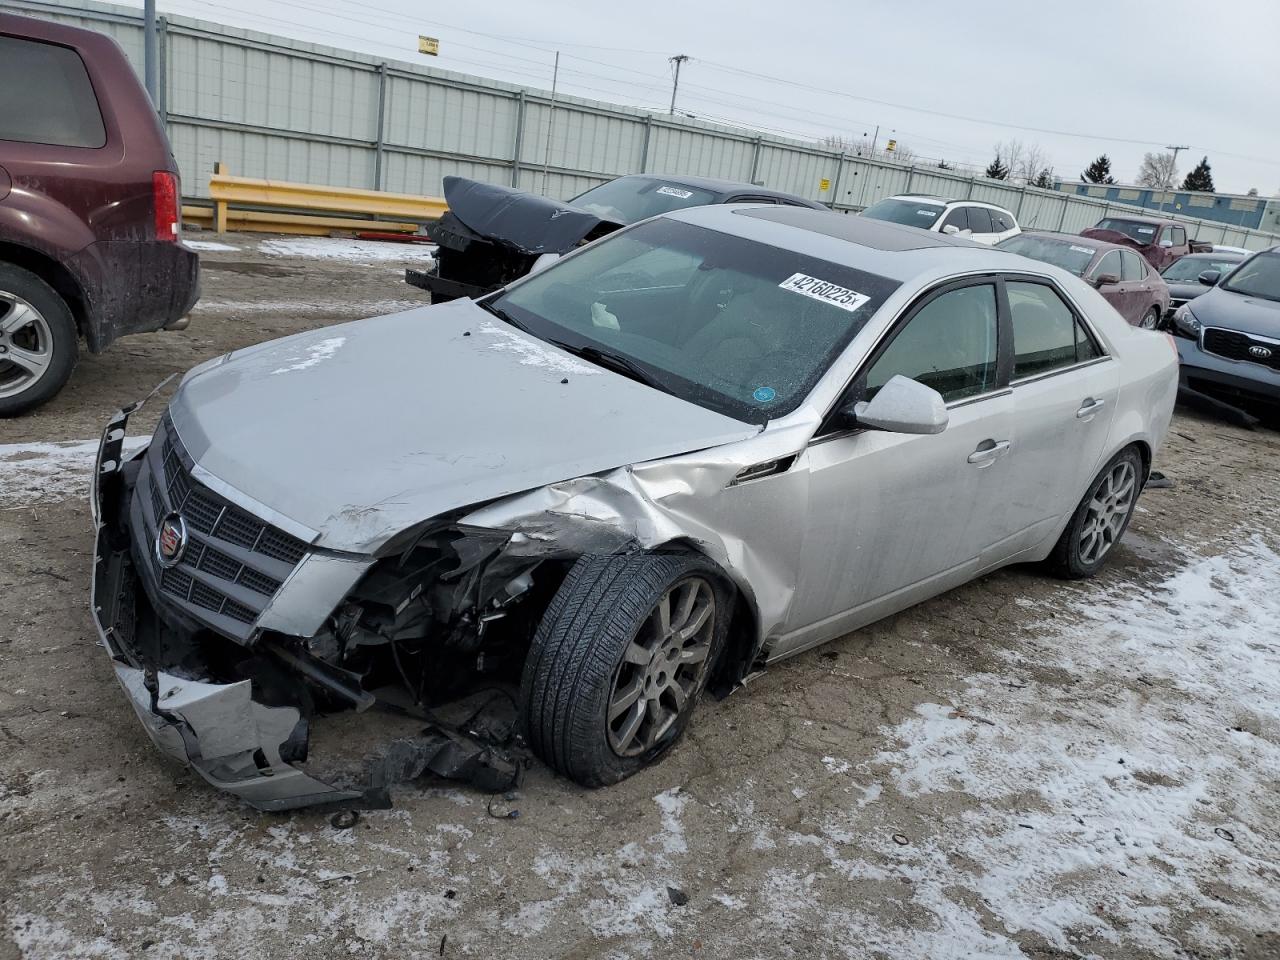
831,293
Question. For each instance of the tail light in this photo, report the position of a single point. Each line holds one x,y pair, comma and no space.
164,194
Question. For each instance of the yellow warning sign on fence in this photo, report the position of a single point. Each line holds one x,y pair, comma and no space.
429,46
824,185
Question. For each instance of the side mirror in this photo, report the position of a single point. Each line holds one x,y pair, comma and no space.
1166,242
1106,279
951,230
1210,278
901,406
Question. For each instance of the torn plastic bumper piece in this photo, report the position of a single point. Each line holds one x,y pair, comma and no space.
217,729
442,288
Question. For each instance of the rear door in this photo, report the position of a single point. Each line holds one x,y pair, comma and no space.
1138,285
1115,291
1064,396
958,218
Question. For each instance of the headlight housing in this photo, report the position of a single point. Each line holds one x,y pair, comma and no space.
1186,321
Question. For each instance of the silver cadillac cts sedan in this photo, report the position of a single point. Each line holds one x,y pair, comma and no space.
706,442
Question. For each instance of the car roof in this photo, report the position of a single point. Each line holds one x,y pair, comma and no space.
1215,255
876,246
930,198
1101,245
715,185
1149,221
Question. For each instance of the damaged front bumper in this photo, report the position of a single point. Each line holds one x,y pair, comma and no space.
232,740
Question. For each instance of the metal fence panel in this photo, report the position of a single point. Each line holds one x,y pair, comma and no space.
273,107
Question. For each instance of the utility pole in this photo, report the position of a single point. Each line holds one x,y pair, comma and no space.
551,119
678,59
874,138
1173,170
150,56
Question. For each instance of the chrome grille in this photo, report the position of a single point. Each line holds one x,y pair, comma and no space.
234,562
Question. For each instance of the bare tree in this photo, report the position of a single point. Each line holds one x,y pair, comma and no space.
1034,159
1009,153
1158,170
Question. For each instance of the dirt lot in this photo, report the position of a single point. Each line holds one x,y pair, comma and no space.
1020,768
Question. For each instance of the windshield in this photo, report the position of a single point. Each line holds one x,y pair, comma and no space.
730,324
632,199
914,213
1189,268
1258,276
1133,229
1073,257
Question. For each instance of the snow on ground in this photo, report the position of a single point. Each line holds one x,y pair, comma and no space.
210,246
354,308
33,473
367,252
1128,801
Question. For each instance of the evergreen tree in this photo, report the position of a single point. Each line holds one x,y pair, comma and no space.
1044,179
996,170
1199,178
1099,171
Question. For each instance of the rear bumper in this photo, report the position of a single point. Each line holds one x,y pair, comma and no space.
218,729
1237,379
134,286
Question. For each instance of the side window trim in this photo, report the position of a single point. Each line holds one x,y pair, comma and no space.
1081,321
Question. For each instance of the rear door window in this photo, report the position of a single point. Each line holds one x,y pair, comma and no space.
46,96
980,220
1132,266
1001,222
1046,334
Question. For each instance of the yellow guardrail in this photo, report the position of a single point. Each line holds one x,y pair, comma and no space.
307,207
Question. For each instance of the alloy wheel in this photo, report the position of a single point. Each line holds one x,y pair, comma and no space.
1150,320
1108,511
662,667
26,345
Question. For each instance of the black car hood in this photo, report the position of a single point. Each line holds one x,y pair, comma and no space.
1235,311
525,221
1187,289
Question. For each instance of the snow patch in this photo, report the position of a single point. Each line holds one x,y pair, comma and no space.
535,353
671,803
368,252
32,473
316,353
210,246
356,308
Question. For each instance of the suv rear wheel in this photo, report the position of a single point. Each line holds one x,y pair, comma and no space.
38,342
619,661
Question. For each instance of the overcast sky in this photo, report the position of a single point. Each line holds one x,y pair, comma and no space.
947,79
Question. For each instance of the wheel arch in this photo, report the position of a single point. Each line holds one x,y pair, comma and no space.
743,644
55,274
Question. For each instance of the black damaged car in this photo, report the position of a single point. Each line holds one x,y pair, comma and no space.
492,234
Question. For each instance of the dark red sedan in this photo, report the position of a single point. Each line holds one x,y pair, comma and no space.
90,208
1123,277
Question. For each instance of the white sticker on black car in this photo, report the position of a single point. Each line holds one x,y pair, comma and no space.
675,192
831,293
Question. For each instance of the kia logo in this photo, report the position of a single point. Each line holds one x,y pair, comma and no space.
1262,353
171,540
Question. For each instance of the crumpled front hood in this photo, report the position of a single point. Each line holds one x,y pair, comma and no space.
525,221
361,430
1187,289
1235,311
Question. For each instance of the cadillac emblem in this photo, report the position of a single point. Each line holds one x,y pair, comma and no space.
171,540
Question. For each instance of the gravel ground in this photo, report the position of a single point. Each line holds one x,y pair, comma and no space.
1019,768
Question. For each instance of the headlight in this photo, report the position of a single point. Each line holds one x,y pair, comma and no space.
1186,321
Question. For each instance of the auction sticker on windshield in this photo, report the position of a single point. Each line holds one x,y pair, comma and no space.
837,296
675,192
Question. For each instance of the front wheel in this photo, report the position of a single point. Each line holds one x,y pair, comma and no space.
619,661
1101,518
1150,320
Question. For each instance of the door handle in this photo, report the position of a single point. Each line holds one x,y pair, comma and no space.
988,452
1090,407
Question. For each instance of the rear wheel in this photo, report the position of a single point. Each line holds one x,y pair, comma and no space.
1150,320
619,661
1101,518
38,342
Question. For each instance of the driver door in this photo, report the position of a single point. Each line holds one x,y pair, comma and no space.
894,518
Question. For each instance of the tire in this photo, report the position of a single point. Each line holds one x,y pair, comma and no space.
585,656
40,330
1151,319
1101,518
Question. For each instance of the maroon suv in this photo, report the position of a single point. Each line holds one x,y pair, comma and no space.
90,208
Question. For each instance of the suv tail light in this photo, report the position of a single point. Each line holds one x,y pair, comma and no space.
164,194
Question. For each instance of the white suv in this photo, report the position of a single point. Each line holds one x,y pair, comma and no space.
983,222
